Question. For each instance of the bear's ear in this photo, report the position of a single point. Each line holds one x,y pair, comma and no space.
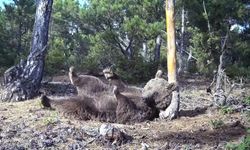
108,73
159,74
171,86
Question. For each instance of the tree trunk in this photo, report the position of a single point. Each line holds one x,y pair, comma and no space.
173,109
206,15
22,82
157,48
145,50
219,96
181,65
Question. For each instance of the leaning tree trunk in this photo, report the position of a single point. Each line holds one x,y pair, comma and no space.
219,95
173,109
22,82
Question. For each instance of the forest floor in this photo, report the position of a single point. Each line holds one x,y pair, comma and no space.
26,125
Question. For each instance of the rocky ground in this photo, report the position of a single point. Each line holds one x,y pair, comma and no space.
26,125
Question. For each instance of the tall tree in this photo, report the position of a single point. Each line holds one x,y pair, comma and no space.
173,109
16,31
207,27
182,45
23,80
126,34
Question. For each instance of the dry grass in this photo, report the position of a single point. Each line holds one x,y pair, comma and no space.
196,130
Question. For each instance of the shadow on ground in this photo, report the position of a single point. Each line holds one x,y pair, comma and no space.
225,133
192,113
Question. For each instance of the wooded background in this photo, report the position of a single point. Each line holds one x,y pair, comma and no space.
131,36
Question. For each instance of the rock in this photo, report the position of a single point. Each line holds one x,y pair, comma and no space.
144,146
33,144
3,109
20,148
106,129
48,143
77,146
10,133
113,135
3,118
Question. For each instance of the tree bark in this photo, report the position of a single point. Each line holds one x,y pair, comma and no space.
172,111
205,11
157,48
181,66
219,96
22,82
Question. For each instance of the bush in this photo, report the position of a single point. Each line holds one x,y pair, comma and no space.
236,70
244,145
55,61
217,123
226,110
135,71
246,100
131,71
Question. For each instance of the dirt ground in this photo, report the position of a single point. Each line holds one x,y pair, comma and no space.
26,125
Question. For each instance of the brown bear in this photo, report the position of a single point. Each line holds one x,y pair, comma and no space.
125,110
158,92
98,101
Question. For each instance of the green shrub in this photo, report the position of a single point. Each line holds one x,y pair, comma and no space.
52,119
244,145
237,70
246,100
55,61
135,71
226,110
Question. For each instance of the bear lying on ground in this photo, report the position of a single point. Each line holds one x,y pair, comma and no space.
98,101
126,110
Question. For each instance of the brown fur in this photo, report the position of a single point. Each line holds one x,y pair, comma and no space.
158,92
128,111
81,107
109,108
87,84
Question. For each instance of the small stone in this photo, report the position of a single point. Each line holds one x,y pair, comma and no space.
144,146
20,148
48,143
75,146
113,134
105,129
3,118
42,136
33,144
